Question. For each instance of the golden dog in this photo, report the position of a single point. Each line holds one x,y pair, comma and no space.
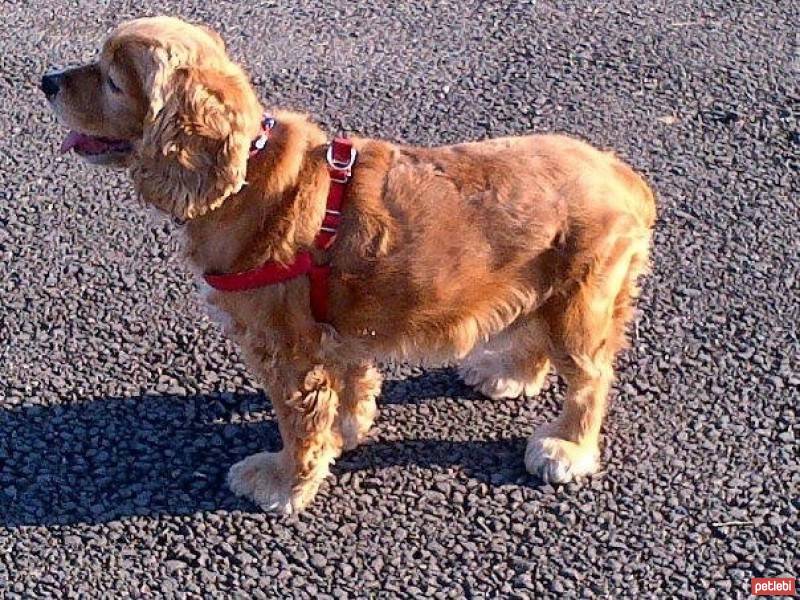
509,255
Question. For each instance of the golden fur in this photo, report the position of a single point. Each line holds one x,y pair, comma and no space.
510,255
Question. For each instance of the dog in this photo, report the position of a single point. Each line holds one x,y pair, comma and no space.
509,255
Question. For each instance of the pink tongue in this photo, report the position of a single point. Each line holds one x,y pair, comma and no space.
73,139
83,142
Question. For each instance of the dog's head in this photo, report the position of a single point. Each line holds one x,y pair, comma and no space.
164,99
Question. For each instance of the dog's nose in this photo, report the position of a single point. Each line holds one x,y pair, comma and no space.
51,84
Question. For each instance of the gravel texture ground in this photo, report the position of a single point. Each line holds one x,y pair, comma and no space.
121,406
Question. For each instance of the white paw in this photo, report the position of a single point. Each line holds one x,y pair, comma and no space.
556,460
261,479
532,388
497,388
501,387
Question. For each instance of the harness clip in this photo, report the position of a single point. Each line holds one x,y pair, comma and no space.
342,169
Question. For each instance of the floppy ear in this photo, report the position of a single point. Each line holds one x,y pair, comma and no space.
196,139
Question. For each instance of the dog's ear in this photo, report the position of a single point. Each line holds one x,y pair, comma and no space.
196,137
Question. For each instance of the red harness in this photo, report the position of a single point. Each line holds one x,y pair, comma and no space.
340,156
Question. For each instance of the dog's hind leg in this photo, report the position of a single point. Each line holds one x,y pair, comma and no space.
587,328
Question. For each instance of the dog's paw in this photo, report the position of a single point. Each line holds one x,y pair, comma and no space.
498,388
261,478
556,460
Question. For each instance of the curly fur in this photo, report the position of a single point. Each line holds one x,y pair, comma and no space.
196,133
514,255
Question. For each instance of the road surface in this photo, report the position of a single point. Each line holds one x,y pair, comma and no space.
122,407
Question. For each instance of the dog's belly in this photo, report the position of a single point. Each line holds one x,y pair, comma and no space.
444,315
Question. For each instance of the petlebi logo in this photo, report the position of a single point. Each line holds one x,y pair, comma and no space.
773,586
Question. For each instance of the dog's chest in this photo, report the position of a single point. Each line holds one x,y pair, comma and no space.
213,307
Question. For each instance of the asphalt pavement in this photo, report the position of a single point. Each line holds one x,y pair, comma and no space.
122,407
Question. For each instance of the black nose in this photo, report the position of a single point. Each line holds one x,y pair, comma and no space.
50,84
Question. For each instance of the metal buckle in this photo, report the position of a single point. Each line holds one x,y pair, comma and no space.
340,166
261,141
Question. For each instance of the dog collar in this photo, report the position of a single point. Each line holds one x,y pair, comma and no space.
340,157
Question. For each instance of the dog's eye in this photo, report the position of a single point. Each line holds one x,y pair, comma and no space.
114,87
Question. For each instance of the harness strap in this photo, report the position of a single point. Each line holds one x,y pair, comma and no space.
340,157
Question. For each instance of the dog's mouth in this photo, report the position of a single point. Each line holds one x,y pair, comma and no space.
95,148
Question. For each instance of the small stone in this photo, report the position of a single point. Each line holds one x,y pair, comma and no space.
318,561
174,565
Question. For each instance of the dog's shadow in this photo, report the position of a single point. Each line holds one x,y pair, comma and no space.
111,458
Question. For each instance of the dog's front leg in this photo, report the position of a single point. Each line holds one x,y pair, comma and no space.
306,405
